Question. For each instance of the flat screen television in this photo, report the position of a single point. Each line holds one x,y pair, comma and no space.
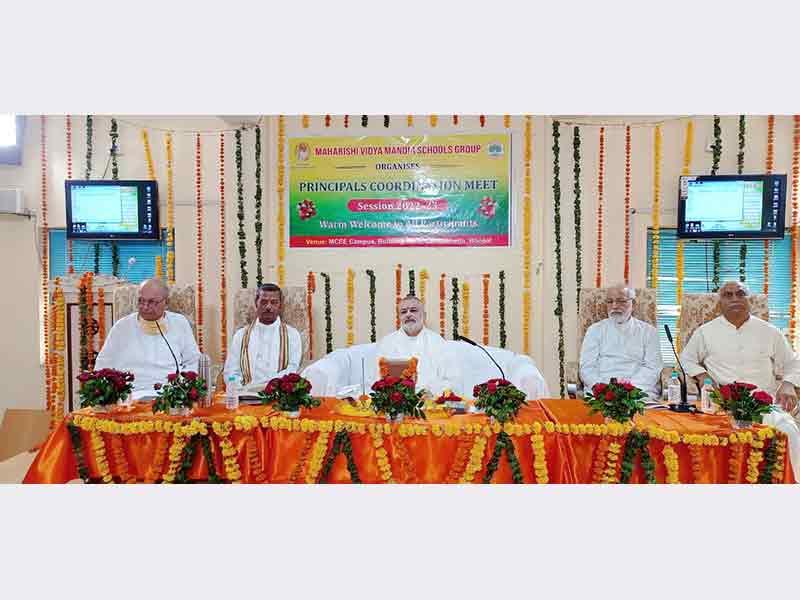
731,206
112,210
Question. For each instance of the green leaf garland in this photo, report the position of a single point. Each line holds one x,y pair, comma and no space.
454,306
503,443
742,262
115,259
77,450
770,458
258,224
716,149
576,175
372,333
411,282
240,211
341,443
187,458
96,252
88,147
328,324
83,310
637,443
114,138
212,467
740,170
502,308
559,310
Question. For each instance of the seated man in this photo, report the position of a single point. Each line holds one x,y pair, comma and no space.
621,346
738,346
267,347
135,343
435,372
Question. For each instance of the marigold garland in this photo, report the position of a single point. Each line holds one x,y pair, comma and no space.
311,287
398,273
229,454
576,187
299,468
599,464
59,347
465,306
83,324
50,359
716,149
158,268
434,120
656,206
502,307
99,452
280,191
90,320
317,456
559,310
148,155
626,270
485,319
795,235
770,164
409,120
154,471
754,459
460,458
475,462
77,450
598,277
68,125
381,457
506,121
679,261
777,471
175,457
671,464
305,121
610,474
328,324
539,458
423,284
170,212
223,279
372,289
454,305
256,468
442,322
114,135
770,459
89,137
45,254
351,300
101,317
121,462
198,179
526,246
735,463
240,211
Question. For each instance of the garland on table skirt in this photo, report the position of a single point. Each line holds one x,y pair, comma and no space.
539,455
460,459
423,284
411,282
559,310
351,300
88,147
475,462
442,321
170,212
626,270
502,307
485,306
679,264
328,324
114,135
156,468
258,225
341,443
526,247
229,455
50,357
612,459
198,180
576,186
68,125
240,210
454,305
598,276
398,273
381,457
770,164
670,464
205,444
299,468
716,149
223,278
777,472
770,458
281,224
465,305
45,244
503,444
77,450
795,231
256,468
372,333
656,206
311,287
637,443
120,460
83,311
317,456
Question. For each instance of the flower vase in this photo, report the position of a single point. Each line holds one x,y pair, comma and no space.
101,408
397,419
740,423
291,414
126,402
178,411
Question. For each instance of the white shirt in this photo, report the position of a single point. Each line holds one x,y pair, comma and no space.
754,353
128,348
435,370
628,351
264,350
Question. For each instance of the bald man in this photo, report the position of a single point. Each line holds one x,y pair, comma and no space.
135,344
621,346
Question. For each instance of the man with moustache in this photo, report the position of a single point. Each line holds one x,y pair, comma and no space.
266,348
435,372
621,346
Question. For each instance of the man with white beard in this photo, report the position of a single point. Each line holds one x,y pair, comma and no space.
621,346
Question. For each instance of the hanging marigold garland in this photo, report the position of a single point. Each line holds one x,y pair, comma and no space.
381,457
281,214
70,258
576,186
155,470
679,263
45,243
599,462
656,246
259,226
398,273
311,287
372,332
442,322
539,457
716,149
170,213
159,267
299,467
454,305
317,456
90,334
434,120
88,147
770,163
412,283
223,279
610,474
465,295
148,155
598,277
502,307
475,462
114,135
240,211
409,120
506,121
626,270
305,121
198,178
559,310
328,324
99,451
671,464
50,359
101,317
59,347
423,285
485,284
351,301
527,225
120,460
795,230
83,324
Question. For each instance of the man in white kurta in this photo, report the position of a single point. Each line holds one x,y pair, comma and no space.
272,348
134,343
621,346
436,371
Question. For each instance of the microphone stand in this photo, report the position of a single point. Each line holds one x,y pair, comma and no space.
177,366
683,406
461,338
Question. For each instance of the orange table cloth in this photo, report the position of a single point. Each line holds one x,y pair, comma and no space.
555,441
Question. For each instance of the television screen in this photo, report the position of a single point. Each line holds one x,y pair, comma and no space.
103,209
731,206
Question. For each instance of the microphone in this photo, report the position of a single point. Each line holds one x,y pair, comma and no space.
461,338
684,404
177,366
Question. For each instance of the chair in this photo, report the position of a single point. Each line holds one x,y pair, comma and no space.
593,309
181,300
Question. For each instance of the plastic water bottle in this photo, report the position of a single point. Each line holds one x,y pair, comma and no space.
674,388
232,393
706,404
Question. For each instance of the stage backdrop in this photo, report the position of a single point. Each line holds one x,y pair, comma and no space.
400,191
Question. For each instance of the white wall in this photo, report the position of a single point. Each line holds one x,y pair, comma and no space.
20,368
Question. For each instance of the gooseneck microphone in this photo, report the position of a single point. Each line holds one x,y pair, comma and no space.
177,366
684,404
461,338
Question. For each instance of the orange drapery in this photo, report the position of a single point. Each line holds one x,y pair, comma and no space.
431,457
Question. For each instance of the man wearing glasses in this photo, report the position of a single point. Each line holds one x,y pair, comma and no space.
144,342
738,346
621,346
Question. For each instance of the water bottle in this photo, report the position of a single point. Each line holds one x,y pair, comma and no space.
232,393
706,404
674,388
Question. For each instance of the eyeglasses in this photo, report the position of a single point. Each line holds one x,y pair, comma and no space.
737,293
618,300
150,302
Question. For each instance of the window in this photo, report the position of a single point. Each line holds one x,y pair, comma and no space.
11,130
698,276
83,256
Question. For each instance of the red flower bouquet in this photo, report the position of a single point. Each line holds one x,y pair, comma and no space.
616,400
499,398
394,396
742,402
289,393
104,387
180,392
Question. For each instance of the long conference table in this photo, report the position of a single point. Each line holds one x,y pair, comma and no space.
551,441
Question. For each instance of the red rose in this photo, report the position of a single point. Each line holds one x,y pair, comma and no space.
287,386
193,393
504,382
293,377
746,386
270,388
762,397
492,386
609,396
378,385
725,392
392,380
172,377
627,385
599,388
190,375
396,397
409,383
83,377
441,400
476,391
157,386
